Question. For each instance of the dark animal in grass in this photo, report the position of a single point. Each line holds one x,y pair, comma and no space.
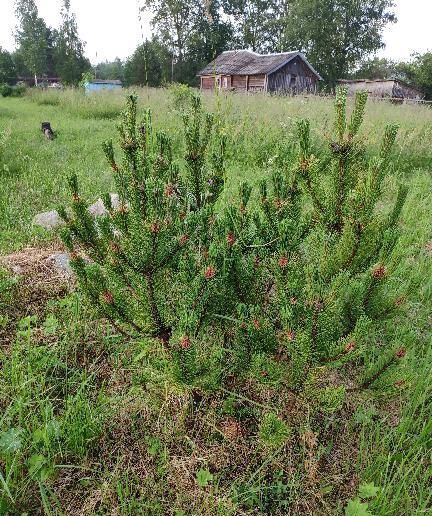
48,132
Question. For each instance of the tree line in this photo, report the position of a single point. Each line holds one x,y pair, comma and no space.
336,35
42,50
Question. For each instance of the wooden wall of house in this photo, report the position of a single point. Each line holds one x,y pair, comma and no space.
256,82
238,82
207,82
294,77
403,91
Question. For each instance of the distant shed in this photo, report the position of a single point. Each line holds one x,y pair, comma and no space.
99,85
383,88
243,70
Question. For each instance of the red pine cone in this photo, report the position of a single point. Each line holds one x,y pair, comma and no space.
231,239
185,342
290,335
209,273
350,346
400,301
400,353
169,190
278,203
155,227
108,297
379,272
283,262
183,239
115,248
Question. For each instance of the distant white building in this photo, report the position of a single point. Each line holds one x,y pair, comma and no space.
383,88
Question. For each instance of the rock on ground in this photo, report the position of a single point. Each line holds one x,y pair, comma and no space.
98,207
60,262
51,219
48,220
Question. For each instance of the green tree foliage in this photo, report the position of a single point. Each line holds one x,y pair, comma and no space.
419,72
20,67
337,34
7,67
376,68
69,50
192,32
110,70
149,65
296,278
253,22
31,37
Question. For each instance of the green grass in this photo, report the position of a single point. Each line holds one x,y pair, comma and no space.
88,426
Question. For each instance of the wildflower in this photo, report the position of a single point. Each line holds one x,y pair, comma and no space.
290,335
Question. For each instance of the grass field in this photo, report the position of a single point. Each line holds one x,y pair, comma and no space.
86,427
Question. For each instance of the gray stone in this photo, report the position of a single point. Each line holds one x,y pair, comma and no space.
98,208
48,220
52,220
60,262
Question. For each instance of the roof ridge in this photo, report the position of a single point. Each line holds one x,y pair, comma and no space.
261,55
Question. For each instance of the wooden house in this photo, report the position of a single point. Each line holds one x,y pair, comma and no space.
383,88
243,70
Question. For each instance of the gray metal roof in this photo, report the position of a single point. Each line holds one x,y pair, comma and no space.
245,62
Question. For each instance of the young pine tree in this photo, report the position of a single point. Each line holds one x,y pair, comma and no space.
295,278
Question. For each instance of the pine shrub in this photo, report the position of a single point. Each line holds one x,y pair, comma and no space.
292,275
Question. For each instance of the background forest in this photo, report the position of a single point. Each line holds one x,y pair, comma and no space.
339,37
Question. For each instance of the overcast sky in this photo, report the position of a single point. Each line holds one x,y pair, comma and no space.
112,28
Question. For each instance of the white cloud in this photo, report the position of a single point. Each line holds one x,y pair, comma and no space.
412,32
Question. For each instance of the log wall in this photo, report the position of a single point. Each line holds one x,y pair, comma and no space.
294,77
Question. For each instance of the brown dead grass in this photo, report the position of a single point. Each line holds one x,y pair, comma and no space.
38,282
